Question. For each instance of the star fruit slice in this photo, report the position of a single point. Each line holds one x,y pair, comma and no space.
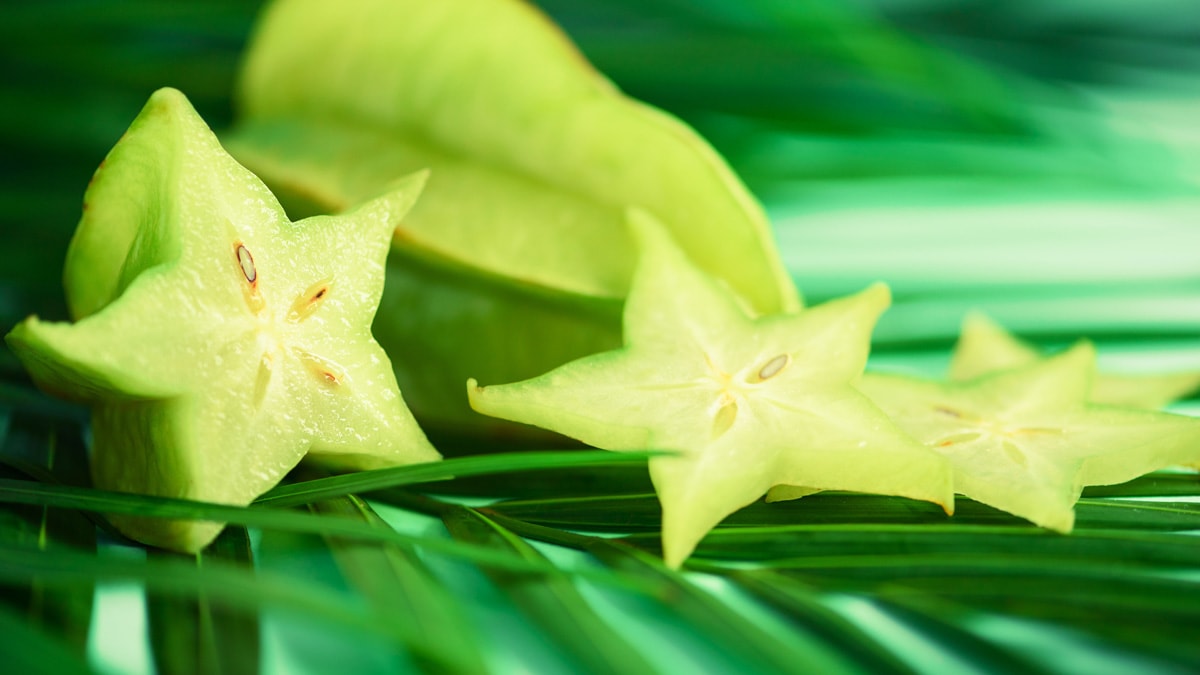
747,402
985,347
517,257
1026,441
217,341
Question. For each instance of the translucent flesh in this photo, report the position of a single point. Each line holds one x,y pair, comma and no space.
699,376
235,342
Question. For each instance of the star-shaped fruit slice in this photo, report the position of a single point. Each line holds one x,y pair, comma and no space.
1026,441
985,347
217,341
746,402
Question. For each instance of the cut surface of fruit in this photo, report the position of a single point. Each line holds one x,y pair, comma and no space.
1026,441
985,350
218,343
745,402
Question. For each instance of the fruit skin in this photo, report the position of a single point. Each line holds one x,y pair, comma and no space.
218,343
535,158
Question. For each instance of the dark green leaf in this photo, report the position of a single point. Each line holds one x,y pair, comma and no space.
548,482
46,451
804,606
718,623
1152,485
405,592
1139,608
26,492
31,651
624,513
368,481
196,635
959,630
221,582
552,603
813,541
29,401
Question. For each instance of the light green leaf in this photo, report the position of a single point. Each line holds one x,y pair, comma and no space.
804,606
227,584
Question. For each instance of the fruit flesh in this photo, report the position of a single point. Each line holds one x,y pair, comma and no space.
1026,440
986,349
746,402
235,342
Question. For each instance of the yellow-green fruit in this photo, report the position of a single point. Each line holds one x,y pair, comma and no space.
517,258
217,342
747,402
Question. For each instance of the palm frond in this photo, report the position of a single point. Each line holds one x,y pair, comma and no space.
1036,161
405,591
192,635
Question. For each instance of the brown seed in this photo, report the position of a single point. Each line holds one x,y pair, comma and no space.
309,300
246,261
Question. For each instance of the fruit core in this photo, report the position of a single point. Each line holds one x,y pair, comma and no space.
278,334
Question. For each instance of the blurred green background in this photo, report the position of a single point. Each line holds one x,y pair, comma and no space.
1037,160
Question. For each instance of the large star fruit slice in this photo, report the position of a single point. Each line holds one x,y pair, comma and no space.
747,401
217,342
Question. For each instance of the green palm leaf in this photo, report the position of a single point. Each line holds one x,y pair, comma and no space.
1033,161
404,591
553,604
30,650
193,635
46,450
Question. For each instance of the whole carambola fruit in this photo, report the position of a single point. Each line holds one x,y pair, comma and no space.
217,342
517,258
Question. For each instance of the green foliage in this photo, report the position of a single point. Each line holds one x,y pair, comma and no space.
403,590
1117,577
839,122
195,635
